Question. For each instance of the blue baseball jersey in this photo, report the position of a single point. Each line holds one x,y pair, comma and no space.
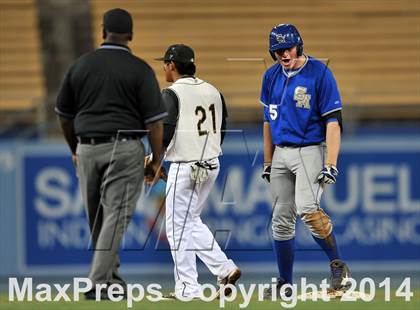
296,102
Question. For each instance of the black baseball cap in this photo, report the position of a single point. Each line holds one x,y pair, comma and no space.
118,21
178,53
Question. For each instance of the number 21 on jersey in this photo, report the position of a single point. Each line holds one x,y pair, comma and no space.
201,112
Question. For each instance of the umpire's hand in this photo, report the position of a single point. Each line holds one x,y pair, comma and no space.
328,175
153,171
266,172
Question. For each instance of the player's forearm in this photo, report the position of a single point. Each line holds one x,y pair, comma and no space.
268,143
67,127
333,141
156,139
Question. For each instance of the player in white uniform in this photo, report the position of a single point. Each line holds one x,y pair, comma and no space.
193,133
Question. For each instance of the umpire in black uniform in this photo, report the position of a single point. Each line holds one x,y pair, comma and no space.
108,99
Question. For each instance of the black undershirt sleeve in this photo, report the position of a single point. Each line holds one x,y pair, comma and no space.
336,115
224,117
169,124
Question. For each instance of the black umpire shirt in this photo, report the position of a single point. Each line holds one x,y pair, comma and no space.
110,89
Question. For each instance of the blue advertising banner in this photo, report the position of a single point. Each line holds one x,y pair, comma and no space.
375,208
53,224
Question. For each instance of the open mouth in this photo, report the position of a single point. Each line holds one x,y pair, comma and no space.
286,61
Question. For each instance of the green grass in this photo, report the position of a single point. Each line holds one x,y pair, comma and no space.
378,303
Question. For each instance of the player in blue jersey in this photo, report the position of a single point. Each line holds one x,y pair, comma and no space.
302,133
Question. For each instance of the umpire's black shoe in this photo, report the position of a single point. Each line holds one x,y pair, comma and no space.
91,295
339,272
268,293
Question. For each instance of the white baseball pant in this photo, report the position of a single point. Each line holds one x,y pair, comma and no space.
188,236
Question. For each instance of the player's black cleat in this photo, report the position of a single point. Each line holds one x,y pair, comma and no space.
268,293
230,279
339,272
91,295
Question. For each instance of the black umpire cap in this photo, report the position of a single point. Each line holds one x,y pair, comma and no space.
118,21
178,53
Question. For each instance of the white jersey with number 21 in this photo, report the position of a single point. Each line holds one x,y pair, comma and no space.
197,136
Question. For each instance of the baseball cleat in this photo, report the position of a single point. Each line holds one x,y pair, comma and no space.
230,279
339,273
172,296
91,295
268,293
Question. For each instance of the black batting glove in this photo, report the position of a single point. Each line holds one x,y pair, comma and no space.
266,172
328,175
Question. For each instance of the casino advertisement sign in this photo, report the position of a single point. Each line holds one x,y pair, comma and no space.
375,207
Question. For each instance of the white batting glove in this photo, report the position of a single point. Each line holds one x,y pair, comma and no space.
200,171
328,175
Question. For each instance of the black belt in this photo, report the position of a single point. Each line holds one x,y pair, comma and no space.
297,145
101,140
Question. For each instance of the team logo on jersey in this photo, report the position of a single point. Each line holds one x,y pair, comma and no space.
302,98
281,38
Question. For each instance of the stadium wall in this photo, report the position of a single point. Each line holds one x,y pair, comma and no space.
375,207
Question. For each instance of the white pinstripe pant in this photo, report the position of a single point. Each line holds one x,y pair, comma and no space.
188,236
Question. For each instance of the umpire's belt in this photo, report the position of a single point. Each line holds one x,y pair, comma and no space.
109,139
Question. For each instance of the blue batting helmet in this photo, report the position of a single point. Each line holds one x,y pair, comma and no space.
285,36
